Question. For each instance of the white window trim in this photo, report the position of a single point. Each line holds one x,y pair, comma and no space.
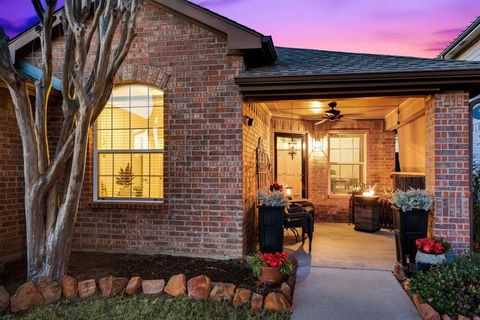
330,194
96,199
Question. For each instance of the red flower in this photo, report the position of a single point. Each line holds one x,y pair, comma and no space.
419,243
430,246
275,260
438,248
427,248
276,187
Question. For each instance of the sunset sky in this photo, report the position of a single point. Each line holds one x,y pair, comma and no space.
407,27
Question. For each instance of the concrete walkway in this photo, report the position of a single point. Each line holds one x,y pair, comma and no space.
347,276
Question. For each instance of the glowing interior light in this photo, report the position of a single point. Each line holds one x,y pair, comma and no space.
317,144
369,193
288,192
316,106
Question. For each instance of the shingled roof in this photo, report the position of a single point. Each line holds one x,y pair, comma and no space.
308,62
462,41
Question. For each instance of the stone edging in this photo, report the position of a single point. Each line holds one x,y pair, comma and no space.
46,291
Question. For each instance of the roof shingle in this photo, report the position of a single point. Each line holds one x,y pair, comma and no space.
305,62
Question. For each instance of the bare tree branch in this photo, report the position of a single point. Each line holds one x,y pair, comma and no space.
39,10
44,85
128,35
68,60
7,71
98,11
109,21
58,162
23,111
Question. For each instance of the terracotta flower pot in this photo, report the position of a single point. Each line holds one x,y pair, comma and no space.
270,275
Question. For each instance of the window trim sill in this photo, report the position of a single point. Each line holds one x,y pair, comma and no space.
126,204
128,201
339,195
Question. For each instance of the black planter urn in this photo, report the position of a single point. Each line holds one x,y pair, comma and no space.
270,228
409,226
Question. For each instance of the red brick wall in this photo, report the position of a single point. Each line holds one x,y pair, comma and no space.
476,144
380,161
448,166
12,219
251,134
202,213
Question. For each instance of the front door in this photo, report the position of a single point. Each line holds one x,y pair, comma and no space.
290,167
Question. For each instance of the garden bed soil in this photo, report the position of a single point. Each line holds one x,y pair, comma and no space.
97,265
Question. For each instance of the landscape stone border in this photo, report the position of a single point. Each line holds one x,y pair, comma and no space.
425,310
46,291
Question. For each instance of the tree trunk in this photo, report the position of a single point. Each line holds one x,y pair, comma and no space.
53,186
35,230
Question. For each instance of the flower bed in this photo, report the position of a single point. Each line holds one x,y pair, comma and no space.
96,265
31,295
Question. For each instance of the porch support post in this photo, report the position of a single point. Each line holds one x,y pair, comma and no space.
448,164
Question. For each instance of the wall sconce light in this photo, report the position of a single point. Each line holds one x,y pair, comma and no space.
318,144
250,121
289,193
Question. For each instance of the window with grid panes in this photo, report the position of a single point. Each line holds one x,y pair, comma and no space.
129,145
347,161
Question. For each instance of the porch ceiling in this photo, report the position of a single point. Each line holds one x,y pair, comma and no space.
354,108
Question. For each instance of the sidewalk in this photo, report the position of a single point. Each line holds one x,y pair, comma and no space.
348,276
330,294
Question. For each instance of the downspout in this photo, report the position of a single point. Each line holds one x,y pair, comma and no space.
474,104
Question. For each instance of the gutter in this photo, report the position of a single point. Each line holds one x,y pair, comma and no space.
302,87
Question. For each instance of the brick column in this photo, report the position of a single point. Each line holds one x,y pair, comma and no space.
448,166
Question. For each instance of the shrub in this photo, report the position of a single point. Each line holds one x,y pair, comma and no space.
453,288
476,209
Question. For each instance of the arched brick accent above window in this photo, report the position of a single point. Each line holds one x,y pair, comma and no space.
143,74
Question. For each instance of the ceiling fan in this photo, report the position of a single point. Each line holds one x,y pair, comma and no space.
332,114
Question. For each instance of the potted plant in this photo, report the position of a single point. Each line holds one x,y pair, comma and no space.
270,220
430,252
410,219
270,268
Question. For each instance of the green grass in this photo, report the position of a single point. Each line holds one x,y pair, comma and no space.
141,307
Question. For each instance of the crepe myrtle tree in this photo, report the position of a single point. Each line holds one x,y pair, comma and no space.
54,178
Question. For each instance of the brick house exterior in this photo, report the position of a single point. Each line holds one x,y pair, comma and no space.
449,166
213,73
467,47
12,220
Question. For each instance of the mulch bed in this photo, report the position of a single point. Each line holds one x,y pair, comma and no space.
97,265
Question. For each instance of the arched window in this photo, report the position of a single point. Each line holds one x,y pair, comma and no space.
129,145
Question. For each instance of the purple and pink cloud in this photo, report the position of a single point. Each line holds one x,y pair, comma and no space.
407,27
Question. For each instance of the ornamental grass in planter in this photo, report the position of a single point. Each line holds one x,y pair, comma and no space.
270,219
270,268
452,288
410,218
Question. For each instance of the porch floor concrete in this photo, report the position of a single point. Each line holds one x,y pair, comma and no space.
338,245
348,276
